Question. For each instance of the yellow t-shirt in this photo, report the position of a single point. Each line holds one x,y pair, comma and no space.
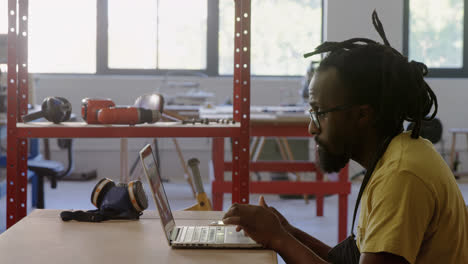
412,206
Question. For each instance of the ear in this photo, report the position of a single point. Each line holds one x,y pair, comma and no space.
366,115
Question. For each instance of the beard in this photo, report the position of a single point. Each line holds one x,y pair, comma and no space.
329,162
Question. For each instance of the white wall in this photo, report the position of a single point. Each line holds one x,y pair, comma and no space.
344,19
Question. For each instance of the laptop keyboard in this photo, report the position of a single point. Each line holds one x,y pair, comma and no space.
200,234
210,235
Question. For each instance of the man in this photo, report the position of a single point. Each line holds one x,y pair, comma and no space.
412,210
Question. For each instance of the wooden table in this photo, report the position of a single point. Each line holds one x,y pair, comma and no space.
42,237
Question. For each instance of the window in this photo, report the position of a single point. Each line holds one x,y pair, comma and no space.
278,40
62,36
435,35
3,17
3,34
158,36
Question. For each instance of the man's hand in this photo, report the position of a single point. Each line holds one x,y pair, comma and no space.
258,222
288,227
261,201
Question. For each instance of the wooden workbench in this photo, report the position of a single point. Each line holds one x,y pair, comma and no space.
42,237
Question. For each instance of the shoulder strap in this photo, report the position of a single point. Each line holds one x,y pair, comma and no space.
367,178
358,200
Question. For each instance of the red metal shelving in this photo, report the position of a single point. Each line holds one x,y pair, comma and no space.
160,129
17,104
18,98
241,102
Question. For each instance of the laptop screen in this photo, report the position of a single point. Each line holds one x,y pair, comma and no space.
157,188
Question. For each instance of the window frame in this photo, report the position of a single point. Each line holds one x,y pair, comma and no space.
212,54
212,47
440,72
102,67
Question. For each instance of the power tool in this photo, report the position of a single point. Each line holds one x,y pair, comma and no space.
127,115
104,111
91,106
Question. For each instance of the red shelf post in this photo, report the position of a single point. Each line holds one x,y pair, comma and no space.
17,148
241,102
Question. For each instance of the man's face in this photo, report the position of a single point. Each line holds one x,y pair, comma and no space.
335,136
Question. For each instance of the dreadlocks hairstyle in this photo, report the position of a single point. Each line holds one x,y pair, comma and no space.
378,75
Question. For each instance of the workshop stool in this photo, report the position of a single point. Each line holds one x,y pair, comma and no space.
44,168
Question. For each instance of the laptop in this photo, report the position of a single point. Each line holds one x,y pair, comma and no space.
203,236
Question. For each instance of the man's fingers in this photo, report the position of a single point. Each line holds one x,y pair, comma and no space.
238,228
261,202
233,211
233,220
275,211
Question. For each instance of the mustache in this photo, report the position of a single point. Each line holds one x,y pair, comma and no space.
329,162
319,143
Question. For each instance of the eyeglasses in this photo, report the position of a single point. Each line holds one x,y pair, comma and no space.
315,115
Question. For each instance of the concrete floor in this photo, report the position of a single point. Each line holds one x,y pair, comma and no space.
76,195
